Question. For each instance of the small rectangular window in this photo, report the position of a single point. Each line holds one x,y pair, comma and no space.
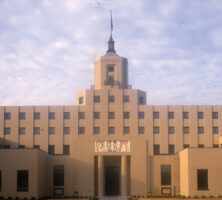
185,130
111,130
186,146
36,130
200,115
156,130
66,130
21,130
111,115
125,98
66,149
7,131
96,130
215,130
96,99
111,99
202,179
111,68
7,116
81,115
80,100
165,175
155,115
215,145
51,149
36,146
170,115
200,129
171,148
51,130
126,130
58,175
171,130
66,115
126,115
96,115
51,115
141,100
200,145
141,130
215,115
111,79
141,115
186,115
36,115
22,116
21,146
81,130
156,149
22,180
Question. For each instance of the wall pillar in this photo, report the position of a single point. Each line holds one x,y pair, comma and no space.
123,175
100,175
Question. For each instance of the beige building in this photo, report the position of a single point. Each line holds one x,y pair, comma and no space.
110,143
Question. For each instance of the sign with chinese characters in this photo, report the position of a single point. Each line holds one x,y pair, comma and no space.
112,146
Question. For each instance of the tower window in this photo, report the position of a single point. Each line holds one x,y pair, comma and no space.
7,116
156,130
96,130
185,130
36,115
51,115
126,115
66,130
51,149
96,115
81,115
51,130
215,130
66,115
171,115
36,130
111,99
111,130
200,129
141,130
21,130
111,115
7,131
156,149
80,100
81,130
186,146
165,175
141,115
155,115
186,115
200,115
21,115
126,130
111,68
96,99
141,100
66,149
171,148
215,115
171,130
126,98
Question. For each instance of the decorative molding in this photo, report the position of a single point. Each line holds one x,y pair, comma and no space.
112,146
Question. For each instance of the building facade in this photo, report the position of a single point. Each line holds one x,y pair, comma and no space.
110,143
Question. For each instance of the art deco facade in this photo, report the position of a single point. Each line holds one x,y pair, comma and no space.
110,143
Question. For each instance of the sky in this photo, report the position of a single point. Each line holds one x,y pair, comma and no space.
48,47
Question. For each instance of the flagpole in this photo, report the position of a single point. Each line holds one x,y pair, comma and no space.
111,23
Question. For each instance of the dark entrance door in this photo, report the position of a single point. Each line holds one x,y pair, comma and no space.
112,179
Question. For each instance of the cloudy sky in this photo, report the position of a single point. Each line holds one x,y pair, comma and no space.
47,48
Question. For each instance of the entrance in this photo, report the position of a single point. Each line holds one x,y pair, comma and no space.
112,180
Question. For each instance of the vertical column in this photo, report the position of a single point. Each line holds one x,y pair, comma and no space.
123,175
100,175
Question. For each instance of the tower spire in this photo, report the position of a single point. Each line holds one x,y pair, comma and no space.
111,41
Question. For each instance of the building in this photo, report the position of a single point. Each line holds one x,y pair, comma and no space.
110,143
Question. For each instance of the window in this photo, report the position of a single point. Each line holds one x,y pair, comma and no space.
200,115
215,115
170,115
66,130
96,130
185,130
96,115
111,130
156,130
36,115
111,99
165,175
21,146
200,145
6,146
141,115
7,131
21,115
51,149
215,130
125,98
111,79
22,180
126,115
141,130
186,115
141,100
66,149
66,115
202,179
186,146
171,130
21,130
200,129
96,99
36,146
51,115
155,115
51,130
0,180
215,145
80,100
81,130
36,130
111,68
111,115
7,116
171,149
81,115
156,149
126,130
58,175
